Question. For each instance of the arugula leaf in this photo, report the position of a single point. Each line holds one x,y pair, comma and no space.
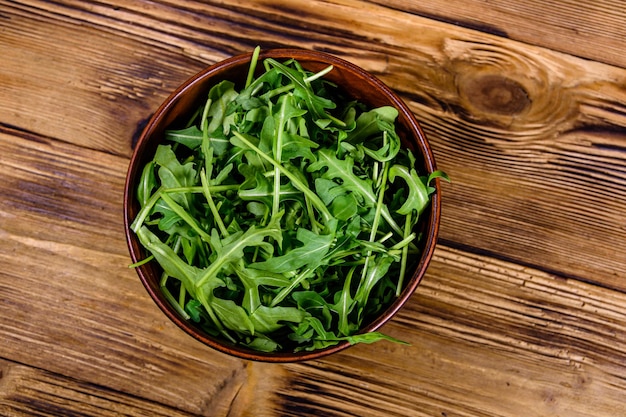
270,319
173,174
314,249
418,193
231,315
231,248
372,122
316,105
371,337
264,192
221,96
147,184
262,343
170,262
374,273
377,124
192,137
344,305
344,207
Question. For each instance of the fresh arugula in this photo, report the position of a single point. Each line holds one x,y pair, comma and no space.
277,214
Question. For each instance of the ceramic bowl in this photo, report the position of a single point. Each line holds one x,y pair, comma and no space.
362,86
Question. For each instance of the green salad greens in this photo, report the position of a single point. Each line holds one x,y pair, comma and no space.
283,215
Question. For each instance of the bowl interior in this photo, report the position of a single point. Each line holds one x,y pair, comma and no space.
361,86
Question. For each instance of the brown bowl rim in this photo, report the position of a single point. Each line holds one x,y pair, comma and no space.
432,228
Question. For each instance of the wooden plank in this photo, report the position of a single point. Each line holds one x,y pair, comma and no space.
495,110
593,30
543,185
27,391
92,100
68,295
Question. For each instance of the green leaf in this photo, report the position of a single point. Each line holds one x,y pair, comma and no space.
221,95
169,260
251,279
432,176
344,305
417,199
263,191
371,337
296,146
270,319
194,309
344,207
191,137
375,272
173,174
328,189
147,184
314,249
230,249
314,304
241,141
320,330
342,169
373,123
185,216
231,315
315,104
263,344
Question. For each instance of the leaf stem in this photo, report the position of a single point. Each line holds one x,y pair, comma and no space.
145,210
206,190
252,68
287,290
142,262
318,74
376,221
199,189
405,252
278,151
170,298
187,218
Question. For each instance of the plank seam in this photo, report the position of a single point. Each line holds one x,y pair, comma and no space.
510,259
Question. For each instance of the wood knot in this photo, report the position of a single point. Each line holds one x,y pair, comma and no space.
496,94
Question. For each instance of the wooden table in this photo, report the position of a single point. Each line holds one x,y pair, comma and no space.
523,309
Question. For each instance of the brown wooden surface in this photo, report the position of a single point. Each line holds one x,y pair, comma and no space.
523,309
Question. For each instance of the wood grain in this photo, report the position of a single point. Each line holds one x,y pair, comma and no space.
93,100
510,322
66,284
27,391
573,27
523,308
495,111
552,173
488,338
